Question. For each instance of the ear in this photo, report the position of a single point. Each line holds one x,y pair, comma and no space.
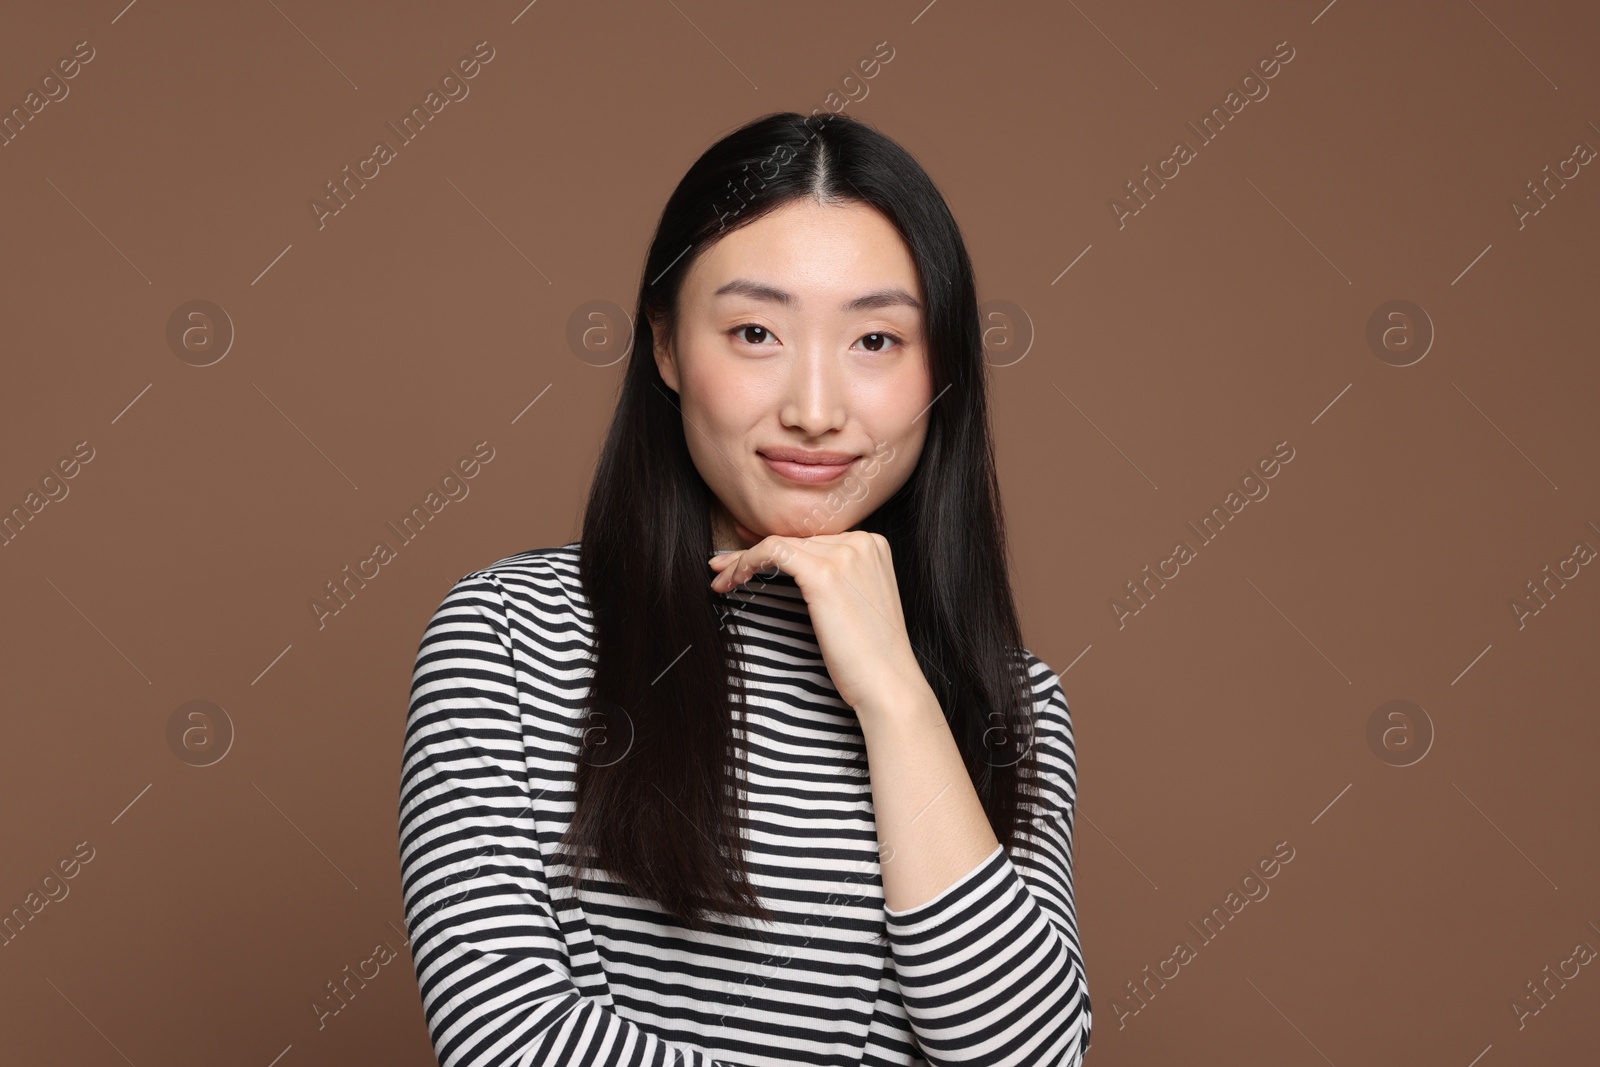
666,361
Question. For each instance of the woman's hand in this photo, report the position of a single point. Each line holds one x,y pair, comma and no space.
849,586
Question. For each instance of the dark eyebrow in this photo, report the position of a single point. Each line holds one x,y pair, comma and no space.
890,296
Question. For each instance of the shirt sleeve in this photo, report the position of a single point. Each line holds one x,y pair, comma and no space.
490,959
991,970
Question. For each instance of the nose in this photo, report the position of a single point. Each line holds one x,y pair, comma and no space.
815,393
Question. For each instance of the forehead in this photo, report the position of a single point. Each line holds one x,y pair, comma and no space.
822,254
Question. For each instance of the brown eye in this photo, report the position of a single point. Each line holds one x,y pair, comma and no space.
883,337
738,332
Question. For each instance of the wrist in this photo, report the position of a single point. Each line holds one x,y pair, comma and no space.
911,705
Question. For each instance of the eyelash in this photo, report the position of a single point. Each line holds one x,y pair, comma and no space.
734,333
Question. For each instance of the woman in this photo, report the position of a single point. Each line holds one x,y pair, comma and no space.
810,802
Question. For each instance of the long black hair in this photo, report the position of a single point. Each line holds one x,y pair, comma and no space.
647,535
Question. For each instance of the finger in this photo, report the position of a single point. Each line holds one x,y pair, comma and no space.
758,558
728,565
775,555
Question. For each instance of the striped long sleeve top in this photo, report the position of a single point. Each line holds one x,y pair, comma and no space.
515,968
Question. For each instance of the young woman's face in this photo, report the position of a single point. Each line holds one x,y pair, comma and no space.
801,331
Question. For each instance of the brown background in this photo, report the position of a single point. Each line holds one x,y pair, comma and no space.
366,356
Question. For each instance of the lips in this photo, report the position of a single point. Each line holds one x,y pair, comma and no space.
803,455
807,467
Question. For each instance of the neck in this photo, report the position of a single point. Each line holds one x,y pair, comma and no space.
723,534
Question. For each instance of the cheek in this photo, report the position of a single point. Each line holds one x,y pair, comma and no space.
903,440
897,398
898,413
723,398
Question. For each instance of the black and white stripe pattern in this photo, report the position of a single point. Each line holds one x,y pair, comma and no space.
516,969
